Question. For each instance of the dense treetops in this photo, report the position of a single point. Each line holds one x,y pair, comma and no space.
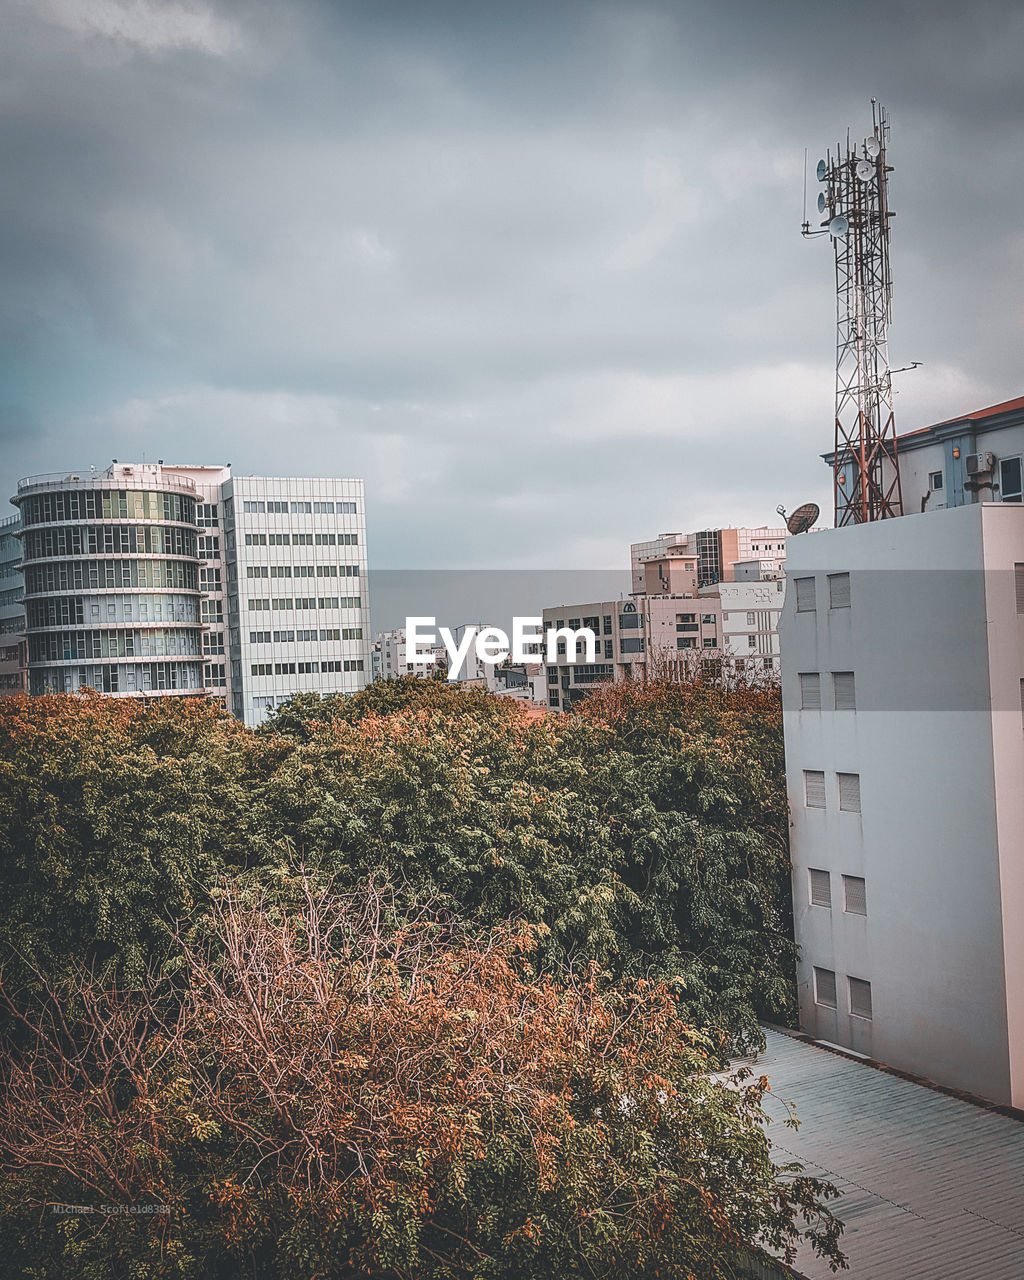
584,914
647,832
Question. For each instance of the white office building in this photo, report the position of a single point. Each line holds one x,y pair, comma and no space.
153,579
903,679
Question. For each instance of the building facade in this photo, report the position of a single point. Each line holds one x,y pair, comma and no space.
716,552
13,646
903,680
962,461
148,579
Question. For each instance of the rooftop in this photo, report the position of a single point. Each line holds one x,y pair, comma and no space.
932,1185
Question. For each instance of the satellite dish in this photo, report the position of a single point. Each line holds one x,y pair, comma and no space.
873,147
838,227
822,170
803,518
821,202
865,170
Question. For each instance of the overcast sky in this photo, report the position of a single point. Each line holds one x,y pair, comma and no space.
533,271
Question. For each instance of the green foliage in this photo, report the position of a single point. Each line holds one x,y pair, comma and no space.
647,833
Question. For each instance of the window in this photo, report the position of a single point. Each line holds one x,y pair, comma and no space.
839,591
326,539
333,665
259,606
254,508
631,644
353,664
209,578
212,611
751,642
935,480
257,571
855,895
323,508
213,642
814,788
821,888
206,515
303,636
327,602
330,633
306,602
810,691
302,539
849,792
708,619
552,675
805,595
686,617
860,998
345,508
284,637
281,571
262,669
255,539
710,642
307,668
277,508
284,668
606,624
683,642
302,508
278,539
214,674
209,547
825,988
1010,480
325,570
609,650
259,637
751,620
845,691
352,633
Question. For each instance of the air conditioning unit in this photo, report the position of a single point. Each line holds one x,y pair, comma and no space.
979,464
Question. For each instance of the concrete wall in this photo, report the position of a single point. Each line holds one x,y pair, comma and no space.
926,840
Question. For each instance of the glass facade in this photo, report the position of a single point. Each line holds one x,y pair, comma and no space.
112,580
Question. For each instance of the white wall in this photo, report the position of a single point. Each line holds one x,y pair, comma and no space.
921,739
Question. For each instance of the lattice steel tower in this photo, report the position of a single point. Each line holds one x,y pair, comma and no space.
854,206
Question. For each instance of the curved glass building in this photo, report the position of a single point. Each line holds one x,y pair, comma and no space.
112,590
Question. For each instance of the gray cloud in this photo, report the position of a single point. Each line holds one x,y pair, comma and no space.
533,270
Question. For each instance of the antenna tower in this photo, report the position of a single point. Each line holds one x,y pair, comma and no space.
854,205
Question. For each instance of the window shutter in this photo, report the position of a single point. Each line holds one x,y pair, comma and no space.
814,788
825,987
1018,583
821,888
810,691
839,591
805,595
860,998
849,792
855,892
845,691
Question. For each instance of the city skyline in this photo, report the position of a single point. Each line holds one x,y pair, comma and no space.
509,268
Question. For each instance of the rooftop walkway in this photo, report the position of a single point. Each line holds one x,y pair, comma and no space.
932,1185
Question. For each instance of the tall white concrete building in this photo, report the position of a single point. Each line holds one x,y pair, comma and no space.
903,680
153,579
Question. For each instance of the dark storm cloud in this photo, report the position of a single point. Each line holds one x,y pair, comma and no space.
533,271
